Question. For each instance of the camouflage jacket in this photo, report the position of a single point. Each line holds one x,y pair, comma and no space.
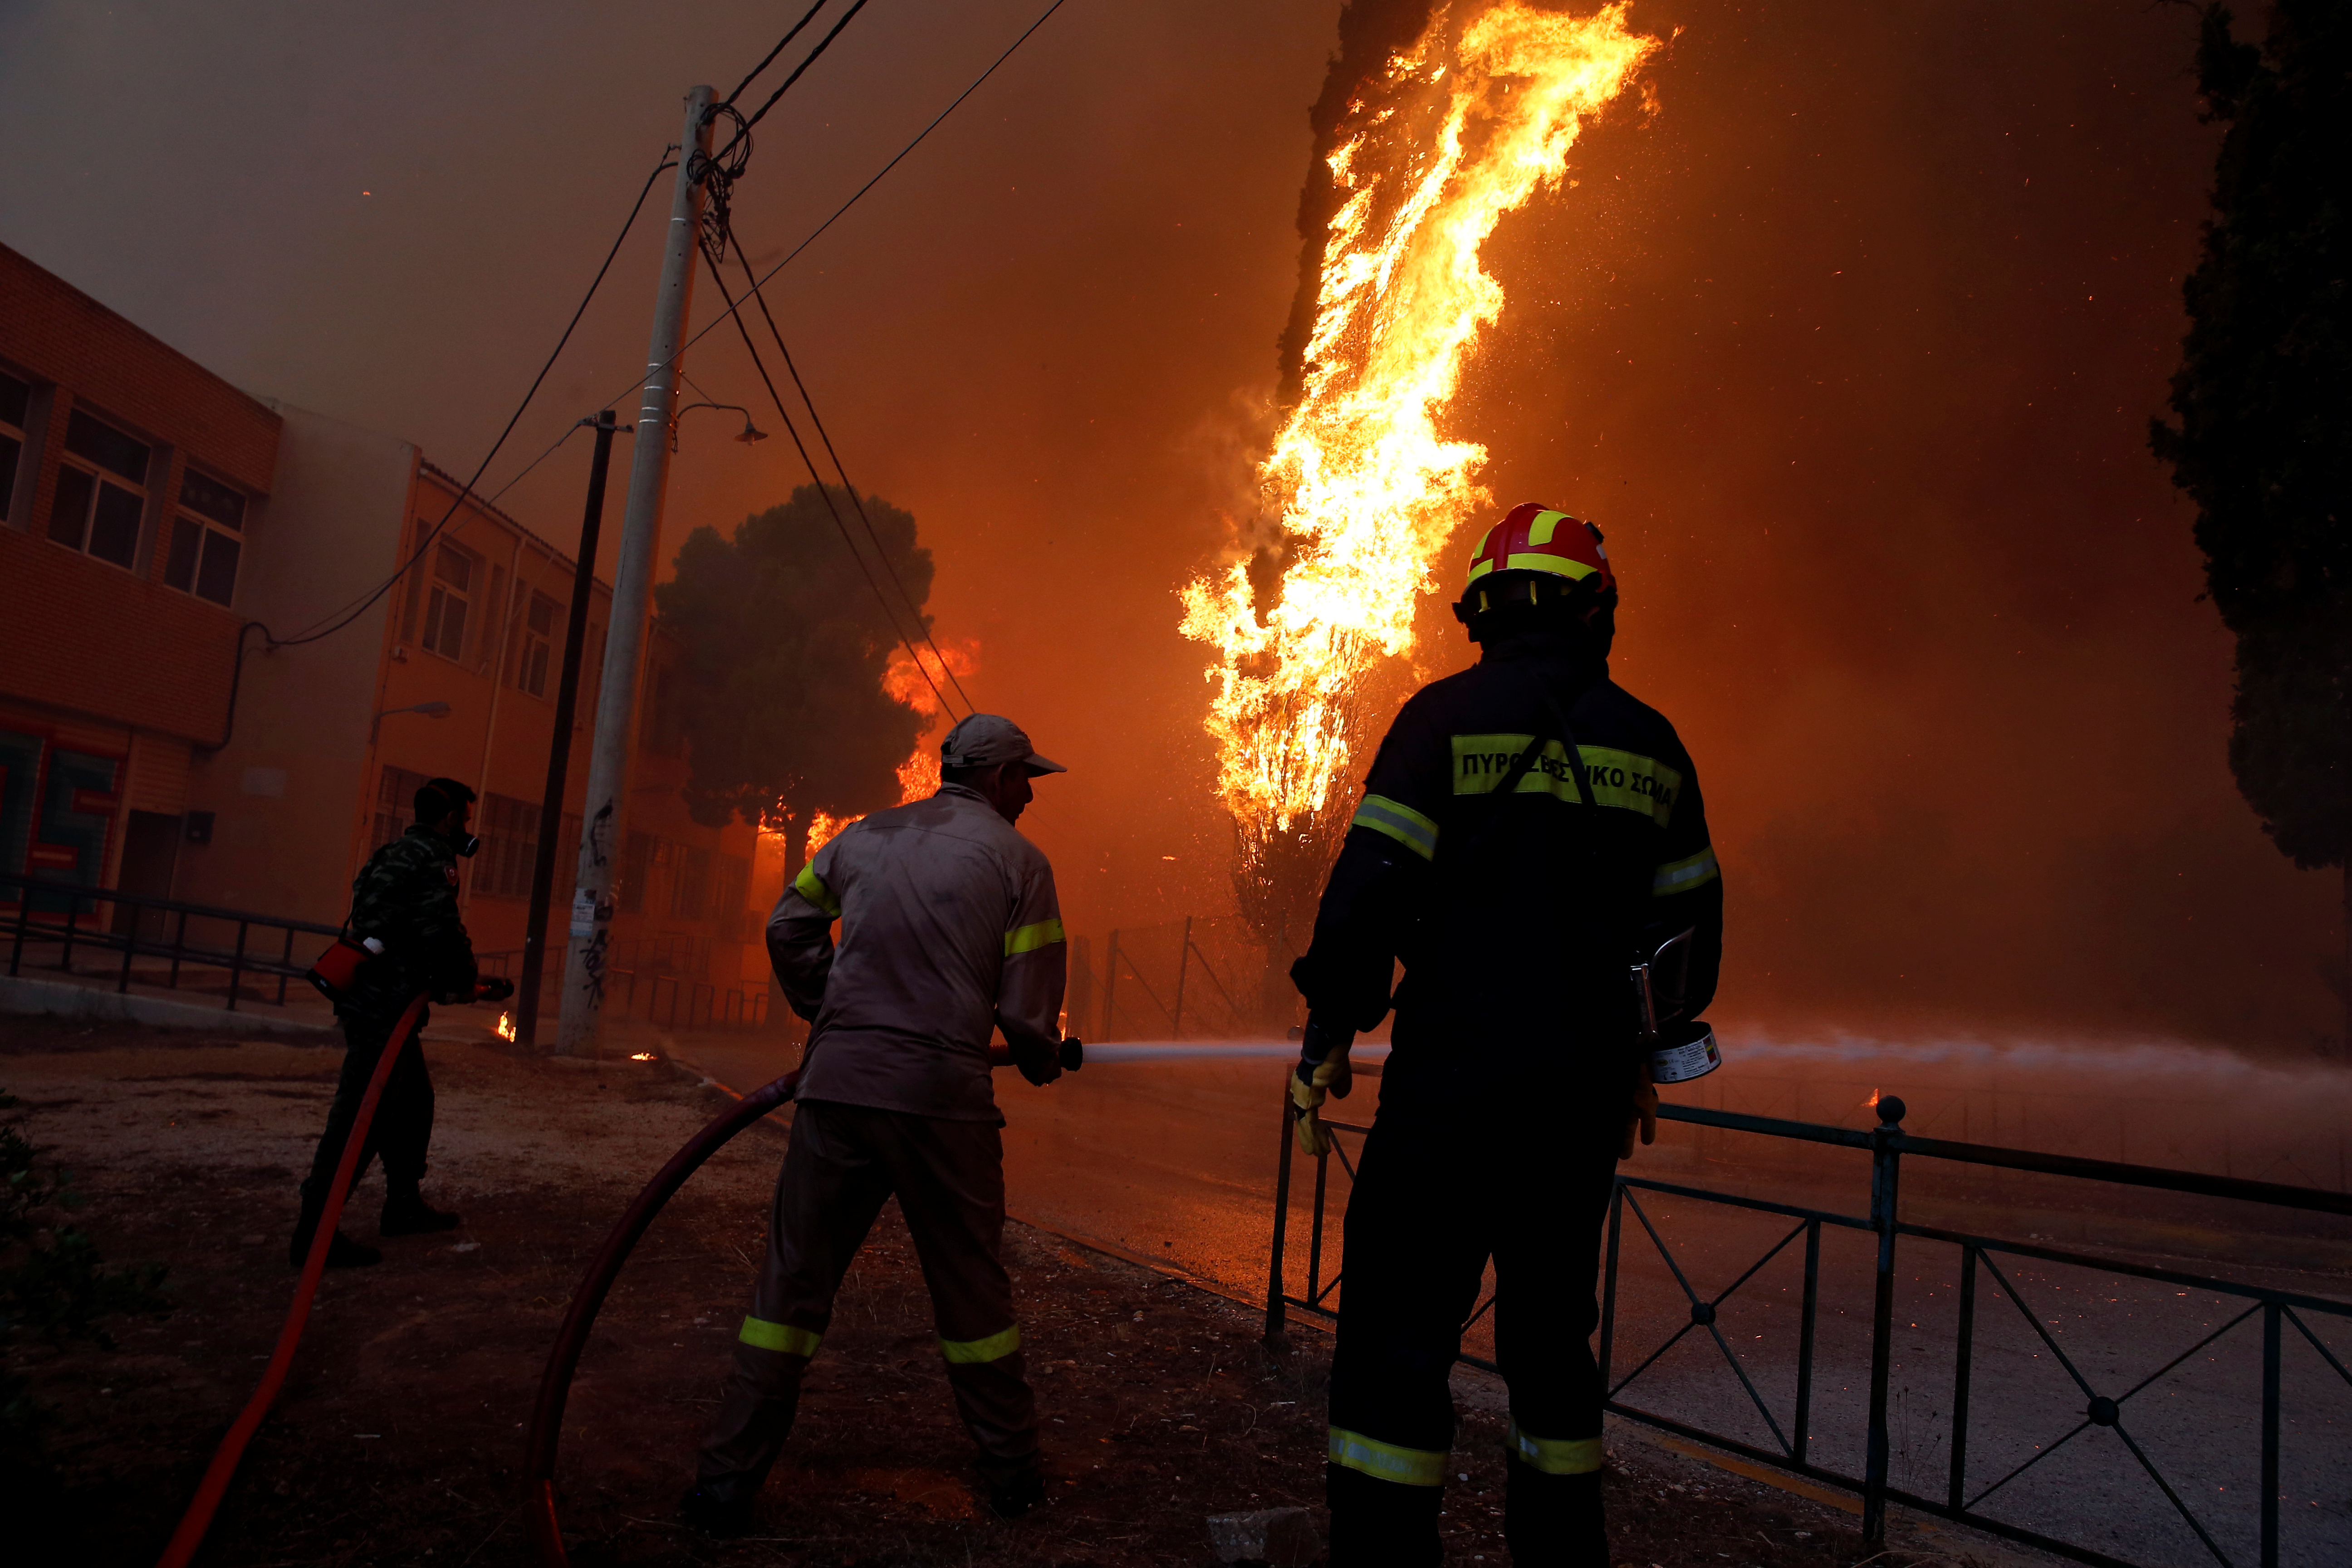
407,897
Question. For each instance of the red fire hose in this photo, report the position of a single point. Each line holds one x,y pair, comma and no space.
226,1458
555,1385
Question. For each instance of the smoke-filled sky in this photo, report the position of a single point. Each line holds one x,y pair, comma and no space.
1850,347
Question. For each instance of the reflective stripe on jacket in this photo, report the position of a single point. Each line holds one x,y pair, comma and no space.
950,929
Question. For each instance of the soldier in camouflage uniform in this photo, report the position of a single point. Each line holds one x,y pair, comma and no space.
404,898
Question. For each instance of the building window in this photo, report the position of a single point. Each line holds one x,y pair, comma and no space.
396,801
732,895
538,642
100,498
689,887
445,609
16,403
510,848
637,869
206,538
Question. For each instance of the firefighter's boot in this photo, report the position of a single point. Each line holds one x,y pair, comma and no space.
713,1517
1379,1523
1016,1495
405,1213
1551,1521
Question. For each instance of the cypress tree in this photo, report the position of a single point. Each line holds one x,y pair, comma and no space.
2262,439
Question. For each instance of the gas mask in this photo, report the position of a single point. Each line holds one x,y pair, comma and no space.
468,845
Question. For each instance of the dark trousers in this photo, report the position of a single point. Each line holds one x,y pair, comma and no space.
403,1127
1436,1197
844,1162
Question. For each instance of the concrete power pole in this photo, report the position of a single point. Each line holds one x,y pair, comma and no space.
603,813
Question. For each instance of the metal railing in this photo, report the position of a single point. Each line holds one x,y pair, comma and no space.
71,917
667,997
1962,1494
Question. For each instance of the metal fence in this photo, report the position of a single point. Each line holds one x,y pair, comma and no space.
248,957
1199,977
681,1002
2251,1407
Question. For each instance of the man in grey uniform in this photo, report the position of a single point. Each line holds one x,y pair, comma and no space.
950,928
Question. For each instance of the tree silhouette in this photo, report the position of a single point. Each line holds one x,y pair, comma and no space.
2263,442
785,649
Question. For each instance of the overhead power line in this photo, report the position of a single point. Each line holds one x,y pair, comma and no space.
855,499
810,239
821,45
825,491
770,59
337,620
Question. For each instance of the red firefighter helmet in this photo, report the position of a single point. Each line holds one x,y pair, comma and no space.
1533,537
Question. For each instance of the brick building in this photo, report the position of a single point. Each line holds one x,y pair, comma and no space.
167,543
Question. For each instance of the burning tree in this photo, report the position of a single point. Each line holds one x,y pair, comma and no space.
1431,126
2264,400
789,708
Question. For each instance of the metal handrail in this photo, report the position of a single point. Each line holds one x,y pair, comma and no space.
65,928
2281,1194
171,906
1887,1143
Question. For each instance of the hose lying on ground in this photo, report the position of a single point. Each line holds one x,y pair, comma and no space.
226,1458
555,1386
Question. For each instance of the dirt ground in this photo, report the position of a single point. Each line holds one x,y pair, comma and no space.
398,1438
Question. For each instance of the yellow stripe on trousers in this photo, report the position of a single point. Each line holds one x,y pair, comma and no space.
1554,1456
789,1337
995,1347
1386,1461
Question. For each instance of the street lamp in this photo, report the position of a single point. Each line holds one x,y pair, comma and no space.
436,709
751,433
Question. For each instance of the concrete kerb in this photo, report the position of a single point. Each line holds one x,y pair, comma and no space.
91,1003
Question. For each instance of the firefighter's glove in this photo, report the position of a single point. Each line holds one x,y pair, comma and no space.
1039,1062
1322,1070
493,988
1644,1119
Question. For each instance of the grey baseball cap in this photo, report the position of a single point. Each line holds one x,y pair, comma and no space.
984,740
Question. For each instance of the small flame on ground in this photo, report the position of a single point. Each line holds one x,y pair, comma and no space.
1364,489
506,1027
643,1057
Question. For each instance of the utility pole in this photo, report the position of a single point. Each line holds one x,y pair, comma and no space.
558,751
604,809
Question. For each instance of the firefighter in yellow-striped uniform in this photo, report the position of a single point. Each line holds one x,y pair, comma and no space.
1527,828
950,929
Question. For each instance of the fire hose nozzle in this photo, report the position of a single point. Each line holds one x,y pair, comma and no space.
1073,1054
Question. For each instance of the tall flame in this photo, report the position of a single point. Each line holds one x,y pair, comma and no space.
1460,129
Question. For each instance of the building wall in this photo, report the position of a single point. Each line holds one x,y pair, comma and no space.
116,686
109,675
285,792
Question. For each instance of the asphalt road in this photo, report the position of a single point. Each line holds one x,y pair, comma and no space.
1168,1153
